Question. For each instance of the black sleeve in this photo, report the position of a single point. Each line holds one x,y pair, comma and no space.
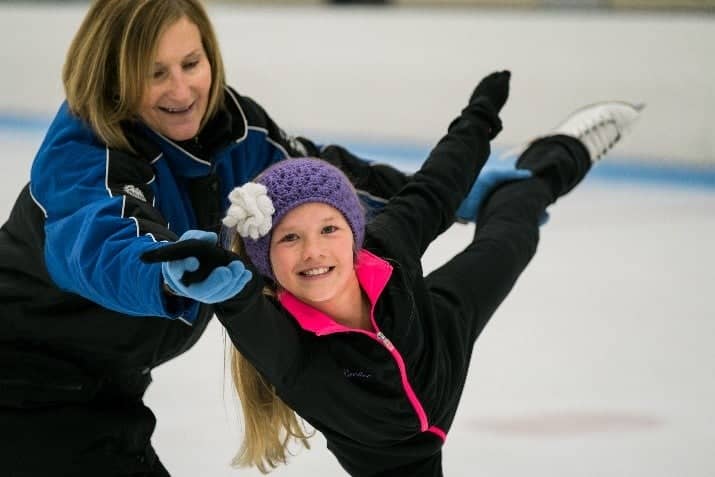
380,181
263,331
426,206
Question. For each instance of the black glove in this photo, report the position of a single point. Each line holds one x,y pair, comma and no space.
495,88
209,255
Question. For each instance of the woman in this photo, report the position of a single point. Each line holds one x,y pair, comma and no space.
351,336
147,146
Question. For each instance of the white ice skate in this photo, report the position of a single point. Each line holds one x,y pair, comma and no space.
598,126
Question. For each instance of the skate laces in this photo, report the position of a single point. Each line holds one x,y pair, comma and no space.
599,134
599,127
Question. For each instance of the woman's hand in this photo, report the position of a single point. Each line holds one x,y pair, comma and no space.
196,267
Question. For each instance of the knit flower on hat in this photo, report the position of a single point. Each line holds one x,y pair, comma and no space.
251,210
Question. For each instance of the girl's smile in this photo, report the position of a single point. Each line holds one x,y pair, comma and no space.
319,272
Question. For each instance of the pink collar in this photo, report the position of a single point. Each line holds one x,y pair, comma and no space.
373,274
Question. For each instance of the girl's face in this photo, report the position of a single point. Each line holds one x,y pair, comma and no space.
176,96
312,253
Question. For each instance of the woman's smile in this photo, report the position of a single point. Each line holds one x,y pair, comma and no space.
177,110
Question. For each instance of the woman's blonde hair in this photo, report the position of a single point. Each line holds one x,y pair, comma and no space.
270,425
108,62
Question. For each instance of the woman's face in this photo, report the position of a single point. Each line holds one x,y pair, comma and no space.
312,253
176,96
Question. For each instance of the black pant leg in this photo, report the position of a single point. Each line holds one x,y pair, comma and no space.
478,279
77,440
466,291
475,282
563,161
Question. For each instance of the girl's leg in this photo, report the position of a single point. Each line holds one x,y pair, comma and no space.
468,289
476,281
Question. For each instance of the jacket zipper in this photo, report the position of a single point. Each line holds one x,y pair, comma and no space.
385,341
411,396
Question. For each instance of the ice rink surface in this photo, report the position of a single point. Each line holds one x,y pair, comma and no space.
601,361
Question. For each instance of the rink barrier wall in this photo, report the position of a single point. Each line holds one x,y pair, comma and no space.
615,168
399,75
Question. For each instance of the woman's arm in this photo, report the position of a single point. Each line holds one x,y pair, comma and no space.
376,180
99,218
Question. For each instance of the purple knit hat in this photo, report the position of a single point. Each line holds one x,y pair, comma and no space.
290,183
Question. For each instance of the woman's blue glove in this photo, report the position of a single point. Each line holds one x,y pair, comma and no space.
196,267
494,173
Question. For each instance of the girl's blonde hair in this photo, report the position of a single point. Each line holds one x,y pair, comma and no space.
108,63
270,425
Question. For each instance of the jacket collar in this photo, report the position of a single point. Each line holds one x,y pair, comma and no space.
373,273
194,157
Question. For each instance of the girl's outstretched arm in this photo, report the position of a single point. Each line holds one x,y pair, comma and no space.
426,206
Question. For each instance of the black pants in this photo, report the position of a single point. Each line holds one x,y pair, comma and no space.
76,440
468,289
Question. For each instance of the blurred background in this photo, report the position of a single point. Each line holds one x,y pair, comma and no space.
600,363
396,73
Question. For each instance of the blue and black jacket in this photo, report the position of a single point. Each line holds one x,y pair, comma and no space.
80,314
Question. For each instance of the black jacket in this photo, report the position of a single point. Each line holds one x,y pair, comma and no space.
384,399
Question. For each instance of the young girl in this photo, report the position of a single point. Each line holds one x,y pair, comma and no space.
351,336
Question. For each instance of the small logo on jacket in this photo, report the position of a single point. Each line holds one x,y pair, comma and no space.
134,191
356,374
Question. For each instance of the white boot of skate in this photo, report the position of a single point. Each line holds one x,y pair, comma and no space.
599,126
